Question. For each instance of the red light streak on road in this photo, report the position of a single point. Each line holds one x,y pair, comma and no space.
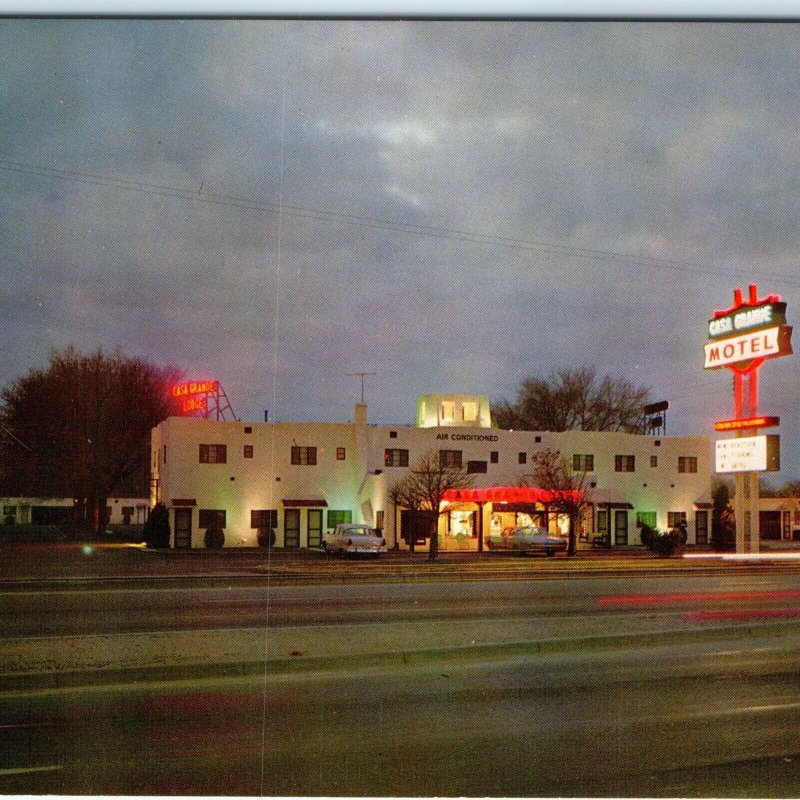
614,601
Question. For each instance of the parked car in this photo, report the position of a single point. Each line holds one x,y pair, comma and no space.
528,539
354,538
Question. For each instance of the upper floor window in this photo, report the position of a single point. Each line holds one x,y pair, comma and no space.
687,464
395,457
448,411
304,456
583,462
476,466
469,412
494,456
248,451
625,463
450,458
340,451
653,461
522,458
213,453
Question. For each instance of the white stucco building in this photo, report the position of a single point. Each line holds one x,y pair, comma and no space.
301,478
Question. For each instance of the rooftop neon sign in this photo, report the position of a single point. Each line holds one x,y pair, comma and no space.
194,388
193,395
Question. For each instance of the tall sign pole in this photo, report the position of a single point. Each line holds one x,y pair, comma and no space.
741,338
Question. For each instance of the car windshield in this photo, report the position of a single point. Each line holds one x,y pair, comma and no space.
362,530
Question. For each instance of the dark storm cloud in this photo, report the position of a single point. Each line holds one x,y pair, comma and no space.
451,205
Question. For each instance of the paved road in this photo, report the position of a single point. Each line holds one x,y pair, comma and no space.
712,719
473,683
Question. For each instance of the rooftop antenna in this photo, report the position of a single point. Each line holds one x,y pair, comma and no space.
361,375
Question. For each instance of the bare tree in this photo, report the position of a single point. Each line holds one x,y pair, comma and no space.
423,488
569,488
81,427
574,399
789,489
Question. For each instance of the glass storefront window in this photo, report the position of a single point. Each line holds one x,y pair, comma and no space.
462,523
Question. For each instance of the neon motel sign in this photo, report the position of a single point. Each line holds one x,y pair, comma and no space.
194,395
743,337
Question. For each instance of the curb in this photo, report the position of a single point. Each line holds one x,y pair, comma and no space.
299,576
128,678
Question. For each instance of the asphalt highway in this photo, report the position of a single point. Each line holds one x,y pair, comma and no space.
514,681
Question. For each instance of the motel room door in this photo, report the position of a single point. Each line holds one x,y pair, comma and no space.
291,528
620,527
701,527
183,528
315,527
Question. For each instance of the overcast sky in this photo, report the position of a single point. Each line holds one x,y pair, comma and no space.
453,206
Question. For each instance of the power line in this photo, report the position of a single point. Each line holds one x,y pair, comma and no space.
300,212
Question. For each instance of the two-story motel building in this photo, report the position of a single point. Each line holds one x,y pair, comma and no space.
302,478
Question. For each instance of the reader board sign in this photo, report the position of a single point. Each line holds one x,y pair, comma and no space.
748,454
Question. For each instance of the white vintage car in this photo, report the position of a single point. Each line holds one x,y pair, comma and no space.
528,540
353,538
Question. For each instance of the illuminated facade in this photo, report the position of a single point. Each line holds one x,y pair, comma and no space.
301,478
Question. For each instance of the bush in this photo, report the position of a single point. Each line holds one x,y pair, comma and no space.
647,534
266,537
664,544
683,534
215,536
156,529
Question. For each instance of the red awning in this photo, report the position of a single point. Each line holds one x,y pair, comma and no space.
507,494
704,505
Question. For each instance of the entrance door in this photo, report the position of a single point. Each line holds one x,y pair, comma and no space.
620,527
602,528
183,527
315,527
291,528
701,527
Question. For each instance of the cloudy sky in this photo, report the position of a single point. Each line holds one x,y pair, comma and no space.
453,206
